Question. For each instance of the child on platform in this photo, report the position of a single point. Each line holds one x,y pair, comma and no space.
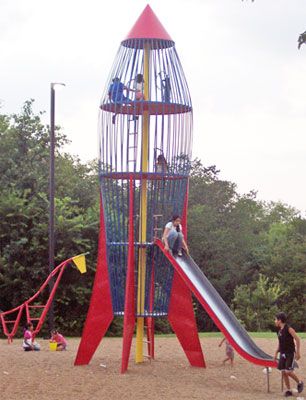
56,337
161,164
173,237
229,351
29,343
139,87
289,351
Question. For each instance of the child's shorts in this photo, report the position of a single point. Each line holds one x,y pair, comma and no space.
286,362
230,354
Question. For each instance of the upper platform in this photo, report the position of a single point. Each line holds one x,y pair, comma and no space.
151,107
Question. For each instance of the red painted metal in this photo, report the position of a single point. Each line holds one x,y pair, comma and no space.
183,322
151,107
150,336
181,305
150,320
148,26
27,305
15,322
142,175
48,304
100,313
129,305
211,313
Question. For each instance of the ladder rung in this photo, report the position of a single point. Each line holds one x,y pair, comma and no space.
146,341
34,319
10,322
41,306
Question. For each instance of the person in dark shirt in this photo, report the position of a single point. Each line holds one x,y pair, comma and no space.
116,92
289,351
116,95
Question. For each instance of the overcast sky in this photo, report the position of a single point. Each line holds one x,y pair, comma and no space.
246,77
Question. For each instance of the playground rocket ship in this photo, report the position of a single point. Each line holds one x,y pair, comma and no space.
145,138
145,149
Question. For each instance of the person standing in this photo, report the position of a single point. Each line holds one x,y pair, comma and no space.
229,351
289,351
161,164
139,87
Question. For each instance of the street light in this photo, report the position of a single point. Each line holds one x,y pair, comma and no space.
54,85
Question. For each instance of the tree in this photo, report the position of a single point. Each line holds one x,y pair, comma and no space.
234,238
284,258
24,169
244,246
256,304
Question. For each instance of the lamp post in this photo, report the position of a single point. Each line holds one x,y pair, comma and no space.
51,194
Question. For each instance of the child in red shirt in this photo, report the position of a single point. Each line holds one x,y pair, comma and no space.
56,337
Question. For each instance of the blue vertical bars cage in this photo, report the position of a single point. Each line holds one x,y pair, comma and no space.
122,108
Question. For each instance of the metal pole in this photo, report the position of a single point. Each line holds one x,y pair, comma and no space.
268,379
51,201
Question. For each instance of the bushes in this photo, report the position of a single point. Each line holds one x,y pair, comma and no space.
253,252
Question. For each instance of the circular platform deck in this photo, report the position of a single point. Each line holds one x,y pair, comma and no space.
152,107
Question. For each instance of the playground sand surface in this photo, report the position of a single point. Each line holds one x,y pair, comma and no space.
50,375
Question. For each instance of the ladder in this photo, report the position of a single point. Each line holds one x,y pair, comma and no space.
132,138
149,327
156,228
36,306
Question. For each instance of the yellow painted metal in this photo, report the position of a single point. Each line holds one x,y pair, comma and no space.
143,214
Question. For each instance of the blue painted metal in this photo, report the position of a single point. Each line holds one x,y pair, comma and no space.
170,139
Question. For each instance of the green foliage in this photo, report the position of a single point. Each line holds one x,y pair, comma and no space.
234,238
24,170
253,252
256,304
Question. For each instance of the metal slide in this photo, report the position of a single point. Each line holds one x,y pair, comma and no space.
217,309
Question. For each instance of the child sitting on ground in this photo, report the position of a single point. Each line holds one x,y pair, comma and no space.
229,351
29,343
59,339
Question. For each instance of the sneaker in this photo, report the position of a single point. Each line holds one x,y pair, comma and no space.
300,386
288,393
179,253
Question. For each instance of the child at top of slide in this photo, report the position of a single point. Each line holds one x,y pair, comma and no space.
173,237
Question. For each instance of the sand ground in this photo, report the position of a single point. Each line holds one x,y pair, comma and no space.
47,375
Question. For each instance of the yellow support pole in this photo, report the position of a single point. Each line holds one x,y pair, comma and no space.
143,215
